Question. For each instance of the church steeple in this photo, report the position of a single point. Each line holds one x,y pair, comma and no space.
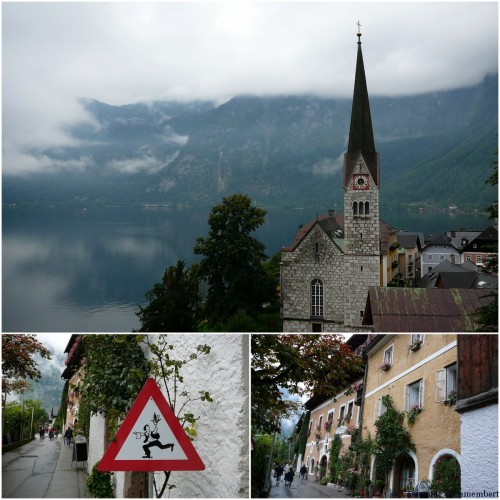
361,133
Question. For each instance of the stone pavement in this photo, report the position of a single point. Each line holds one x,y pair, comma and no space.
306,489
42,469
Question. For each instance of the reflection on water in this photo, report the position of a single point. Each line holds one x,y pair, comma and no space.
88,270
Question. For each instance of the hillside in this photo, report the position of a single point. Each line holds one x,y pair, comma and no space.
282,151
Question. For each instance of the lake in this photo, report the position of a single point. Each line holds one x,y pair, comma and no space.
87,270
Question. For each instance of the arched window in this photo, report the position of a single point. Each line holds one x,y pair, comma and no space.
367,207
317,298
355,208
311,468
361,208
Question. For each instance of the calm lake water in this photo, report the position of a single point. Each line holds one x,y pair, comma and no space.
76,270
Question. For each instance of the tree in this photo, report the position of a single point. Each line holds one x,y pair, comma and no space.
487,316
172,304
17,418
300,364
232,263
18,363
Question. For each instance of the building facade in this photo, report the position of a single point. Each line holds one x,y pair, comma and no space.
326,272
419,373
338,415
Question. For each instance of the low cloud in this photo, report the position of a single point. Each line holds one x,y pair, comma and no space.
327,167
148,164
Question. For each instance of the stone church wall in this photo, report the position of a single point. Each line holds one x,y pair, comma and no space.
300,268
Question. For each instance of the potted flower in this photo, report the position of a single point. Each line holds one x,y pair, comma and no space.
416,345
328,425
380,486
385,366
415,410
367,482
451,399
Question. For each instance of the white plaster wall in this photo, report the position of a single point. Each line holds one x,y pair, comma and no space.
223,429
479,449
96,451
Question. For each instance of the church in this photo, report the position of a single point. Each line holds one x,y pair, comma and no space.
327,270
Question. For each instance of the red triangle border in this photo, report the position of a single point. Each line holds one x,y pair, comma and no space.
151,390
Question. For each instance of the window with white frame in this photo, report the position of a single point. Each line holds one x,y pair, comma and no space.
320,423
380,408
479,259
446,383
327,438
415,395
417,338
388,355
341,415
350,409
317,298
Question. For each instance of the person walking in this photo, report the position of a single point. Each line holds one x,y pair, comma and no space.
67,436
303,471
289,477
278,472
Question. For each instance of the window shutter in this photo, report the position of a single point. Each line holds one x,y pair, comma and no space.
440,385
406,397
377,408
421,393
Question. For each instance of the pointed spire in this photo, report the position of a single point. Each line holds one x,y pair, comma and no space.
361,132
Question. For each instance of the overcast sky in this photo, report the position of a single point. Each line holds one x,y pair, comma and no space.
119,53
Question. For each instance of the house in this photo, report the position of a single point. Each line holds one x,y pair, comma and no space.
326,272
466,275
419,374
73,375
338,415
409,256
389,253
423,309
436,251
482,247
477,405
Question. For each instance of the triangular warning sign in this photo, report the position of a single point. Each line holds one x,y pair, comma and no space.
151,438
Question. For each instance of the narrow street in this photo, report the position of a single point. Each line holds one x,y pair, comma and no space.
42,469
306,489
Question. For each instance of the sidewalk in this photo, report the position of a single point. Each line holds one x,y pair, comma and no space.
42,469
69,479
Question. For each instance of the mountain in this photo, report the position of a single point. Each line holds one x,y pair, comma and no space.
49,388
282,151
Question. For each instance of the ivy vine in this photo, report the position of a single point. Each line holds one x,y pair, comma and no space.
392,438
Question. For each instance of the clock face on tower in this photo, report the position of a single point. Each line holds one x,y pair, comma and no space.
360,182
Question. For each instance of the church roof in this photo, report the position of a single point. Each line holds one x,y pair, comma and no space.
333,225
423,309
361,139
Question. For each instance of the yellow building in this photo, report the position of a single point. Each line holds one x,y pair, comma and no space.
337,415
419,373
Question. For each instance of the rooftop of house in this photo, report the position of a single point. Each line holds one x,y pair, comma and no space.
466,275
411,240
423,309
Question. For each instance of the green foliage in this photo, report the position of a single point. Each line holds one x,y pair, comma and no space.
173,304
303,434
447,478
18,363
260,456
100,484
17,422
392,438
166,368
115,371
322,364
335,462
232,263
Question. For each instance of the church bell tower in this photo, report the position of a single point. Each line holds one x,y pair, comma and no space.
361,183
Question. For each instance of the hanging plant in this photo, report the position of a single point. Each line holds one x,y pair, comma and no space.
451,399
414,412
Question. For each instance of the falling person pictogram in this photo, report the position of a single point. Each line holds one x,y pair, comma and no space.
155,435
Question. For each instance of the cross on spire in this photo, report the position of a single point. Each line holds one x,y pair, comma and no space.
359,27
